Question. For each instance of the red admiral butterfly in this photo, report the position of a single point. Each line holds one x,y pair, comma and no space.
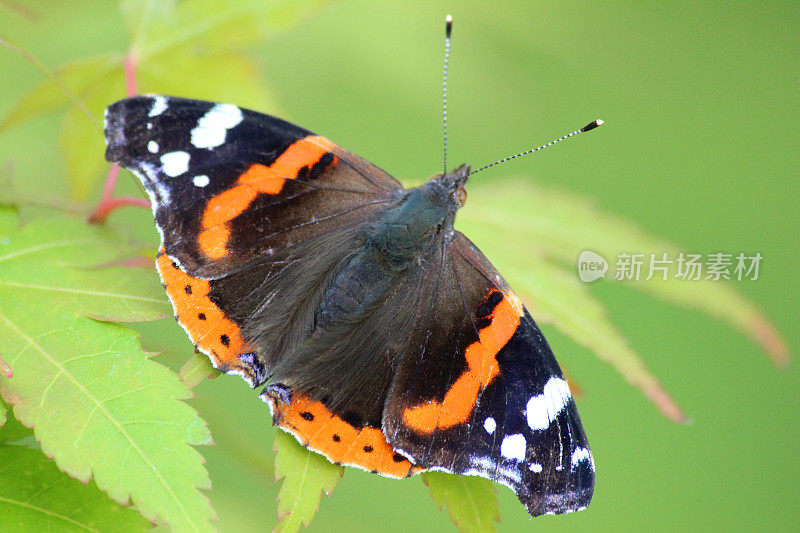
386,340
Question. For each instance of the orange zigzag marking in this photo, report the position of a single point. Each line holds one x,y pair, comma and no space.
258,179
482,367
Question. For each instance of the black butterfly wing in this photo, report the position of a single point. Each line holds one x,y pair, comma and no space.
254,213
478,391
230,186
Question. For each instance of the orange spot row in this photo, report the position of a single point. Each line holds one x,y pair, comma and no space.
323,432
258,179
482,367
204,322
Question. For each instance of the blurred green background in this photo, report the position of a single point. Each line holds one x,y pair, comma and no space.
701,148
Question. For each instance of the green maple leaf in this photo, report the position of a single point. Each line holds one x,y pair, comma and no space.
97,403
35,496
10,428
471,501
70,257
306,475
197,369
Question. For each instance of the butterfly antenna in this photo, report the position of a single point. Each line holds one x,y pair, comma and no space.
589,127
448,29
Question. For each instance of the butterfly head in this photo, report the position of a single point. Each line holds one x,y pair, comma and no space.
452,187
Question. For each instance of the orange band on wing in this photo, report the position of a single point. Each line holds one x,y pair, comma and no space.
482,367
204,322
258,179
325,433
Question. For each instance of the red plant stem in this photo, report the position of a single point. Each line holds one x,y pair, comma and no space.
111,182
106,207
130,74
108,203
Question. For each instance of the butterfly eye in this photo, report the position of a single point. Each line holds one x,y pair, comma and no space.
461,195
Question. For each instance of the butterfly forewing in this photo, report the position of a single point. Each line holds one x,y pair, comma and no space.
230,186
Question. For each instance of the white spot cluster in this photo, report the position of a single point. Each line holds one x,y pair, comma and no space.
514,446
152,147
212,127
581,454
541,410
175,163
489,425
159,106
535,468
201,180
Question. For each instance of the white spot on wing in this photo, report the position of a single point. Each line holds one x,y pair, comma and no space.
581,454
152,147
489,425
488,468
485,463
506,476
201,180
175,163
159,106
213,126
544,408
535,468
513,447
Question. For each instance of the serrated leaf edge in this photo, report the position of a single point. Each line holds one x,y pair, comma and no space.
99,406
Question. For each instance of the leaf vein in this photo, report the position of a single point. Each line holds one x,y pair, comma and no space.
83,292
47,389
47,513
34,249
